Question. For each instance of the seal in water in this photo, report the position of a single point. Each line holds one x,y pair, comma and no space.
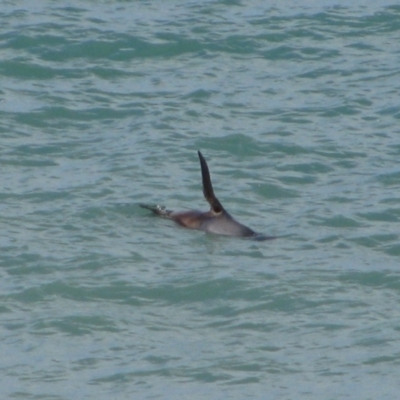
217,220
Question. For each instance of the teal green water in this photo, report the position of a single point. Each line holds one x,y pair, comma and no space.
103,105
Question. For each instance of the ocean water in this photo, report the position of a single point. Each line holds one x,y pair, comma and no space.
295,106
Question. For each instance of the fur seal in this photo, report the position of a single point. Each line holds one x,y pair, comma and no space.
217,220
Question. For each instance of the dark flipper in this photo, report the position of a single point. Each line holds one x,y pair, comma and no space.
208,191
159,210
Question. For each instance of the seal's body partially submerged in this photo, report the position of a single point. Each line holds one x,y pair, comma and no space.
217,220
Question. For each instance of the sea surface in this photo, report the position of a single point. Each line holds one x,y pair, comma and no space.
295,106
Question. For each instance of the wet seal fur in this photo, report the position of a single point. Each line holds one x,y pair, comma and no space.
217,220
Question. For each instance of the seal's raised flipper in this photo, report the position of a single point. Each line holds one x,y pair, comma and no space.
156,209
208,191
217,220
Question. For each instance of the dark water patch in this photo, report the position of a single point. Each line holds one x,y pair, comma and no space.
391,215
388,280
236,144
287,148
185,372
317,73
199,95
124,48
29,162
392,249
50,116
236,44
389,179
340,110
28,150
330,239
328,327
338,221
120,292
318,53
48,290
310,168
159,359
394,149
111,72
213,289
74,325
21,262
337,153
34,41
377,241
292,117
47,196
383,359
4,309
28,70
393,111
272,191
297,180
282,52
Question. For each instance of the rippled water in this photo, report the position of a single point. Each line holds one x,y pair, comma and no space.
103,105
